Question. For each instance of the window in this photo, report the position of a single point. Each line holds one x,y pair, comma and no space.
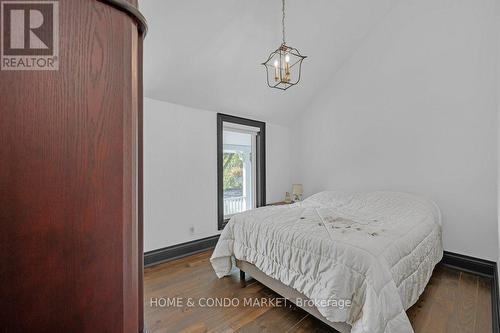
240,166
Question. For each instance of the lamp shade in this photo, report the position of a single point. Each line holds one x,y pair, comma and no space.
297,189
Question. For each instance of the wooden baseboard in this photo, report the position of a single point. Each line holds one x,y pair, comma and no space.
179,251
469,264
481,267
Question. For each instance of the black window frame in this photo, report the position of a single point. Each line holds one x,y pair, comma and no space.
260,186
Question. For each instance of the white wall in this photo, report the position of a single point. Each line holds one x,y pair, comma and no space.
278,162
414,110
498,137
180,172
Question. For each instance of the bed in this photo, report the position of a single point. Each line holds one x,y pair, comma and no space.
374,251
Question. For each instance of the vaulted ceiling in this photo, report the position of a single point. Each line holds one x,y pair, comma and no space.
208,54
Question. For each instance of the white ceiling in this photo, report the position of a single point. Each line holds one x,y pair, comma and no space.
208,54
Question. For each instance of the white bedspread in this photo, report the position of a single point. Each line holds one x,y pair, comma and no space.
375,249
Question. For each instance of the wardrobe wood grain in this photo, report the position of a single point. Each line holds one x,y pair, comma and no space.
70,248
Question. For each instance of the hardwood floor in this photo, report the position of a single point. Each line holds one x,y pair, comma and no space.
453,301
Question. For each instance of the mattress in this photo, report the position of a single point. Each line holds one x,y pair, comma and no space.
373,251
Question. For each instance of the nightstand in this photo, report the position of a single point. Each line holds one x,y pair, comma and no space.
280,203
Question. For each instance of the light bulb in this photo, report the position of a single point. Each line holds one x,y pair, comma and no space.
287,58
276,72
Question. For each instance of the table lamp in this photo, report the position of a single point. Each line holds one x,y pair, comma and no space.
297,191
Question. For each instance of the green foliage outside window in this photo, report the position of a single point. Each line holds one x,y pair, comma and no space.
233,171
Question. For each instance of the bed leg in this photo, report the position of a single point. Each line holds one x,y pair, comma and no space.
242,275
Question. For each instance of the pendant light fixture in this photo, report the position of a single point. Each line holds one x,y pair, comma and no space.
283,67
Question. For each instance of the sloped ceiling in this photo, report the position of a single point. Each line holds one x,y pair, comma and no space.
208,54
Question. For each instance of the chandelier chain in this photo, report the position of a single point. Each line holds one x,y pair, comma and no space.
283,20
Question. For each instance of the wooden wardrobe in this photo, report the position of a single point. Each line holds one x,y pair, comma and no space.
71,250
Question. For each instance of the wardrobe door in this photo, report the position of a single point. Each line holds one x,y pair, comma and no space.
70,176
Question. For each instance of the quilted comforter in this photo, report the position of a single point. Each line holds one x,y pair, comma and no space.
377,250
